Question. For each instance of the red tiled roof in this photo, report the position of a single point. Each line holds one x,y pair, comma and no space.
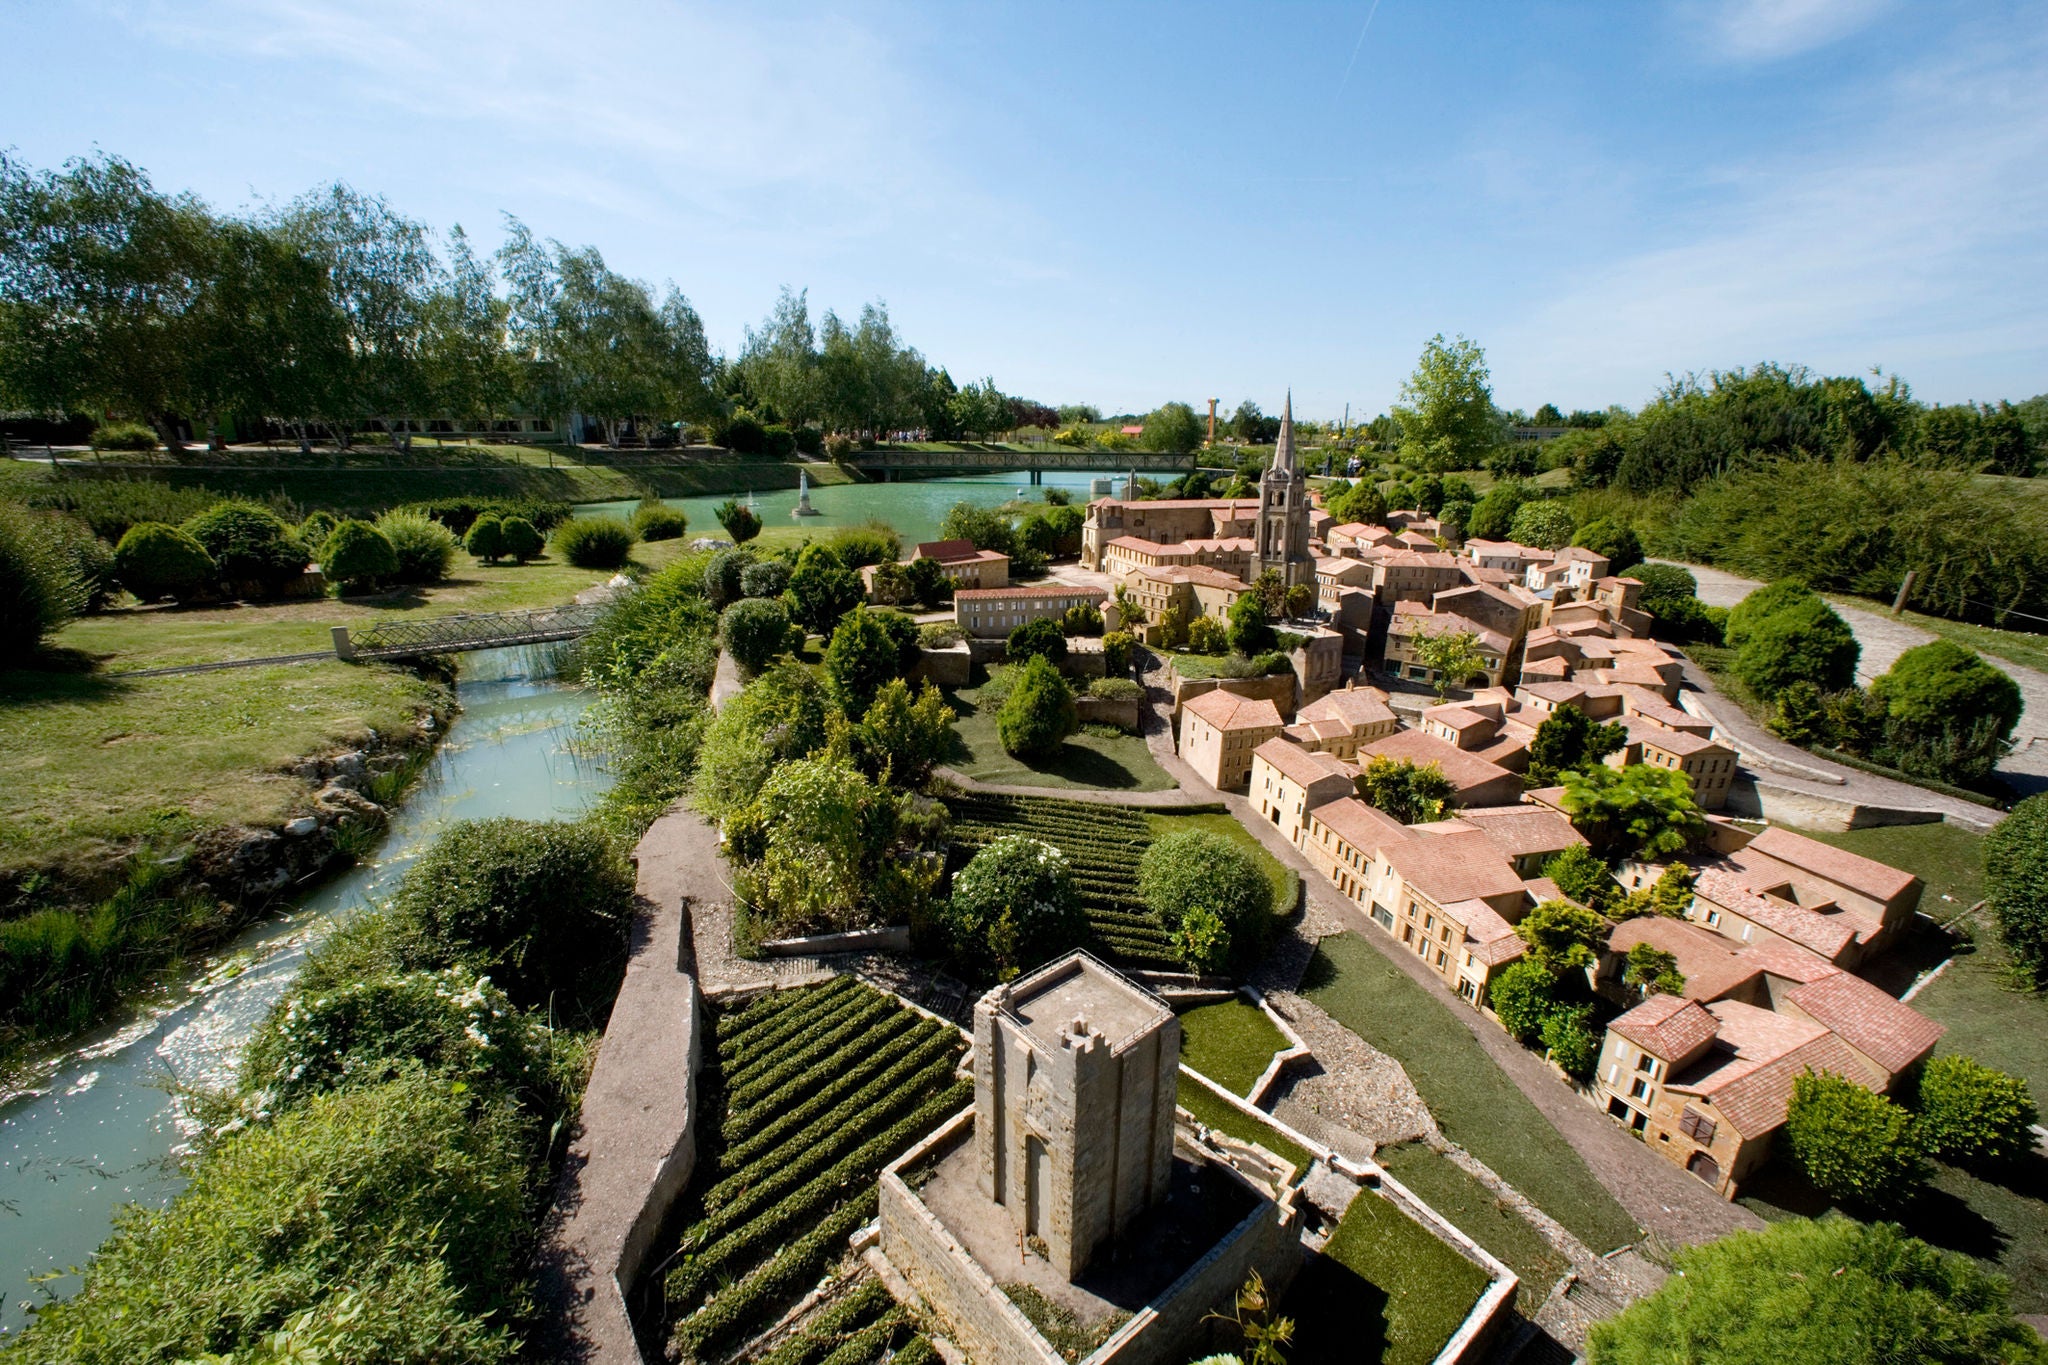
1453,867
1520,830
1042,590
1354,706
1228,711
1303,767
1466,771
1362,826
1666,1026
1892,1034
943,550
1867,875
1828,935
1754,1100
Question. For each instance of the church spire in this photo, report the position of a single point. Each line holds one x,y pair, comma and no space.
1283,446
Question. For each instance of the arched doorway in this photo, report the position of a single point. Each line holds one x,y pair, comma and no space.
1706,1168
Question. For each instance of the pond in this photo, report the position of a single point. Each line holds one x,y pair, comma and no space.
105,1130
914,507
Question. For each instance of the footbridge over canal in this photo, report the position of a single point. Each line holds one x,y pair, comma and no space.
889,462
416,637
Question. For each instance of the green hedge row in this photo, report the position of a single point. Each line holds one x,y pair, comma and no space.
879,1074
828,1329
757,1057
767,1017
749,1305
771,1070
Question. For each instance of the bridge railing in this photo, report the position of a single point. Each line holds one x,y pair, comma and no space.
1049,457
408,637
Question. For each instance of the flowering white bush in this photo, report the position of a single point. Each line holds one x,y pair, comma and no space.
1015,904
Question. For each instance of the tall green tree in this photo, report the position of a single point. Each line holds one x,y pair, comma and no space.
1569,739
1447,416
1633,812
1172,427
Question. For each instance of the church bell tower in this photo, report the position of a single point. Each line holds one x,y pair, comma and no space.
1283,510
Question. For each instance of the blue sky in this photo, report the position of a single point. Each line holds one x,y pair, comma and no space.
1124,203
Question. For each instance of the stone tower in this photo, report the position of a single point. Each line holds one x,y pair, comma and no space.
1073,1104
1283,511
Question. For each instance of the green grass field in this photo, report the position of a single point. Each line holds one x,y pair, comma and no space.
1119,763
1231,1043
1475,1104
2025,648
1477,1213
1384,1289
1213,1112
1286,884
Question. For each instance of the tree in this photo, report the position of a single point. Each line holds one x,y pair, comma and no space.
754,631
1207,635
1194,872
1116,653
983,527
1039,713
1573,1041
1939,688
1412,793
821,589
250,545
1618,542
811,850
1452,656
1547,524
1037,639
1582,876
860,658
1663,583
721,578
486,539
1446,408
522,540
741,522
1493,514
765,578
357,557
1652,971
891,584
1083,618
40,587
1362,502
1634,812
1015,905
1250,630
1803,1291
2016,883
1563,936
902,735
779,716
1971,1114
1670,896
1522,996
1790,636
929,585
1172,427
1855,1145
1301,600
1568,739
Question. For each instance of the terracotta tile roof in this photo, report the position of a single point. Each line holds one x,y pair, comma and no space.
1453,716
1666,1026
1467,772
1205,575
1483,924
1892,1034
1427,622
1063,590
1557,693
1420,559
1710,964
1453,867
1757,1055
1521,830
1303,767
943,550
1870,877
1228,711
1317,731
1679,743
1362,826
1725,886
1354,706
1236,506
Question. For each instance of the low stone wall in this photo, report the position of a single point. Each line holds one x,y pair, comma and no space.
948,667
1102,711
635,1144
1173,1326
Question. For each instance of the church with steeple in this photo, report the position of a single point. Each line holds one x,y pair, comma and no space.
1283,511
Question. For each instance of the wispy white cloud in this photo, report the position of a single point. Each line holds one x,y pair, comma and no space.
1769,30
1914,242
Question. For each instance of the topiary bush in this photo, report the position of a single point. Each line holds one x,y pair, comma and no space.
357,557
2016,884
40,584
754,631
122,436
521,539
1015,905
251,545
1546,524
424,547
155,562
656,520
1970,1114
486,538
540,906
1784,633
315,529
90,558
767,578
1198,870
594,542
722,583
1854,1144
1039,712
1042,638
1116,689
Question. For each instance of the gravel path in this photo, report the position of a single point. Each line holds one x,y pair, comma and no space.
1884,639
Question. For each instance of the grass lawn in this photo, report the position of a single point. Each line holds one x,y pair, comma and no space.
88,762
1122,763
161,637
1479,1215
1475,1104
2002,1222
1213,1112
1986,1020
1286,884
1384,1289
1192,666
2014,646
1949,858
1231,1043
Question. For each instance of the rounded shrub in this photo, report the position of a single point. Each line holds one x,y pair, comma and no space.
453,1023
40,584
250,545
1039,712
743,436
1015,905
1196,868
767,578
754,631
722,572
1791,636
122,436
357,557
315,529
2016,883
594,542
1038,638
522,539
1971,1114
155,562
542,907
91,558
1935,684
425,548
1547,525
656,520
486,538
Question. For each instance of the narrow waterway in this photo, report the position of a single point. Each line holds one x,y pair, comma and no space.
104,1131
914,507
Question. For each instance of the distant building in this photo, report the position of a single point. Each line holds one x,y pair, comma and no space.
992,613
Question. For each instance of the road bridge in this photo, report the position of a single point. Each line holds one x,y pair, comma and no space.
416,637
889,462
